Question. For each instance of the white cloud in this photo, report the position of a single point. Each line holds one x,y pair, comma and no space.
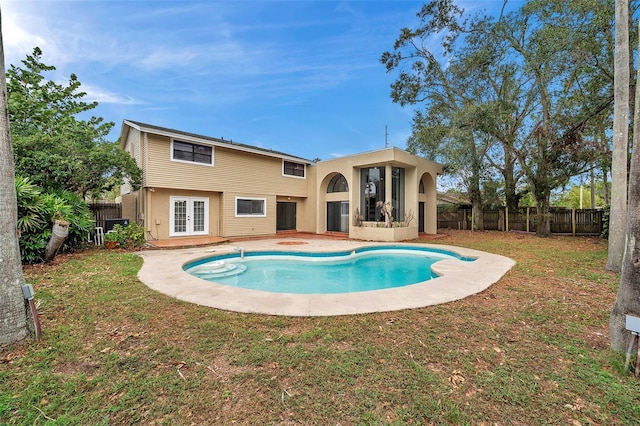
204,60
103,96
18,39
165,58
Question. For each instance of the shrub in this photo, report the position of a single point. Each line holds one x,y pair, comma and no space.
36,213
78,214
127,237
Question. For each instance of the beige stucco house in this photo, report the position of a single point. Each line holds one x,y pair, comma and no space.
195,185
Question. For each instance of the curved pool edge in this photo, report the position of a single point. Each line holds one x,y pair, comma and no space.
162,271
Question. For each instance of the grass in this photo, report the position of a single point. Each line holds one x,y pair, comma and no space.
532,349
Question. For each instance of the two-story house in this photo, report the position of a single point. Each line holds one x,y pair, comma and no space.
198,185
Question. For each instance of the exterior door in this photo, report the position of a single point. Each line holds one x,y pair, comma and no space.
189,216
285,216
338,216
421,216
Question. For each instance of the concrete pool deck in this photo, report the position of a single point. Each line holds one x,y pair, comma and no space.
162,271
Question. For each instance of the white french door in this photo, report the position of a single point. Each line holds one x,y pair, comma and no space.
189,216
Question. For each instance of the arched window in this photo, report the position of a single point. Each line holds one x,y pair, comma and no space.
338,183
421,187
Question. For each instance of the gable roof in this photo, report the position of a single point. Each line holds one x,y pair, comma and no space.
193,137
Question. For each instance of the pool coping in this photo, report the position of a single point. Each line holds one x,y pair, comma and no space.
162,271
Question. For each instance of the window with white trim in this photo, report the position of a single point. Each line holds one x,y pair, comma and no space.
291,168
251,207
191,152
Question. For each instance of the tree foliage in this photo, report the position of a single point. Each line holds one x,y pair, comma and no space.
552,45
53,146
36,212
537,88
444,129
578,197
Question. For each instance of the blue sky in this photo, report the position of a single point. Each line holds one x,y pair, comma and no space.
300,77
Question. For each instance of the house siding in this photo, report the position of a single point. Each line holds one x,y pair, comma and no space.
233,174
389,157
247,226
130,206
133,144
144,158
233,171
242,171
158,216
132,147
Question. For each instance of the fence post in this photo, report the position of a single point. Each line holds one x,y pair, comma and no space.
573,222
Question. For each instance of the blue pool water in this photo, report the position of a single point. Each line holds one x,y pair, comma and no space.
370,268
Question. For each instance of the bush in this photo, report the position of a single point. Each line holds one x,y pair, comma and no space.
130,236
80,217
36,213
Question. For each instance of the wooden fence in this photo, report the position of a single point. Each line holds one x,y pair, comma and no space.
563,220
103,211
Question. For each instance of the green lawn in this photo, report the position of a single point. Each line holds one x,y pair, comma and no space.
531,350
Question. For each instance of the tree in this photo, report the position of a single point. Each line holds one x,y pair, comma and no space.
445,130
579,197
443,135
56,149
53,147
620,138
553,45
628,297
542,70
13,314
502,107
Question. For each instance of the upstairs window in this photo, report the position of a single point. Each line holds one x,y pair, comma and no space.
192,153
291,168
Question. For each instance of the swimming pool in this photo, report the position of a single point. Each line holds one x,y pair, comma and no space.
364,269
163,271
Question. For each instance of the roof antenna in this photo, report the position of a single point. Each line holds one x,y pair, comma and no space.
386,134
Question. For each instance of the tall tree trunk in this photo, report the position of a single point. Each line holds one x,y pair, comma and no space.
13,313
605,184
620,138
632,82
512,200
628,298
478,215
605,170
544,218
592,187
474,190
